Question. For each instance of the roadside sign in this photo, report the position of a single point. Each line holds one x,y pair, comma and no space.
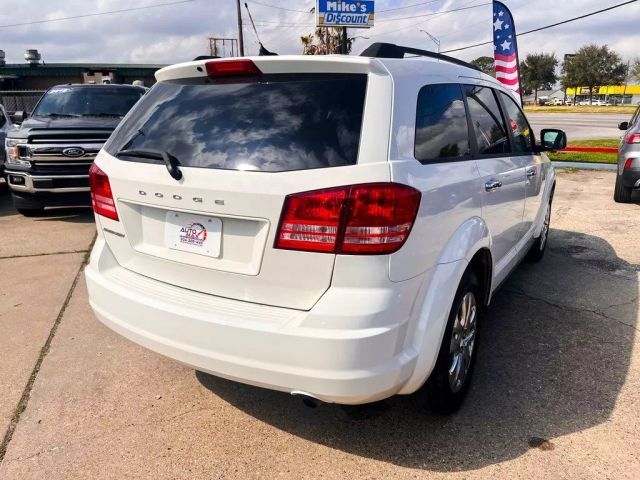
345,13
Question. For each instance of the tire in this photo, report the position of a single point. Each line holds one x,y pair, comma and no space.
536,252
27,205
621,194
446,391
30,212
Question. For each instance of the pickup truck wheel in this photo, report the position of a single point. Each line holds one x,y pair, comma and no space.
31,212
27,205
536,252
449,382
621,194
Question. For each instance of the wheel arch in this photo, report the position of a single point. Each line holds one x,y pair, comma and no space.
481,265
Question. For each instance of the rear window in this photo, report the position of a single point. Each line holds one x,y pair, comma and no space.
280,123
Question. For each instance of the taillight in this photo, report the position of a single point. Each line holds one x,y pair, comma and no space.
627,164
101,195
232,68
310,221
635,138
374,218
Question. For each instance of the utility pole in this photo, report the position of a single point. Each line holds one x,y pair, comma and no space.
240,38
344,41
626,82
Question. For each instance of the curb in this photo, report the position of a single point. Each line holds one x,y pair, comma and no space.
586,165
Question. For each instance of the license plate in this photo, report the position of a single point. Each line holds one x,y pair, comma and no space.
193,233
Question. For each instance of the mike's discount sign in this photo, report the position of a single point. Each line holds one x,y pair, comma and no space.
345,13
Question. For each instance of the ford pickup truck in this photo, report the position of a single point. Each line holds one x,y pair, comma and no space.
49,154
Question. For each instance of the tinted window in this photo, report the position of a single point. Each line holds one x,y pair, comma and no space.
441,124
522,134
3,120
280,123
636,116
486,118
88,101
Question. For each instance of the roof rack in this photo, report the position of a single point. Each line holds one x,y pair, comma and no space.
391,50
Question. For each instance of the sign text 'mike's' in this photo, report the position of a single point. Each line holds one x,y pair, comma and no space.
345,13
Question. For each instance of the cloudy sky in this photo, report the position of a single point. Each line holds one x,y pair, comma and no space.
178,32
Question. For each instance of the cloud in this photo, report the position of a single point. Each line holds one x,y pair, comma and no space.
179,32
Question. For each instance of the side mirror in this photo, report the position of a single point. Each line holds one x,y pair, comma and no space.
552,139
19,117
623,126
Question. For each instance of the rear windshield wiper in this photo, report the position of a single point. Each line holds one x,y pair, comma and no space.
171,162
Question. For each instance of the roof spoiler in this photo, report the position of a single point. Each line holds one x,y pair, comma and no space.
391,50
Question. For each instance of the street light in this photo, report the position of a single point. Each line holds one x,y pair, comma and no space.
433,39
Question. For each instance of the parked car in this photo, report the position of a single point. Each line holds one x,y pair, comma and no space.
628,177
601,103
556,102
49,155
328,226
5,125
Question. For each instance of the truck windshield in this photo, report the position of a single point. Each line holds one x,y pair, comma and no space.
74,101
282,122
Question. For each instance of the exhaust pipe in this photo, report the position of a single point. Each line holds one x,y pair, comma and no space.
307,399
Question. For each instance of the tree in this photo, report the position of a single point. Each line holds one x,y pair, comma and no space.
485,64
634,74
593,67
329,40
538,72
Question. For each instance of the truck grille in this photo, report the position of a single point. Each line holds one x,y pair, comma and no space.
70,136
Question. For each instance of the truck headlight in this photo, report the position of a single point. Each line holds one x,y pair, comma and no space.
12,146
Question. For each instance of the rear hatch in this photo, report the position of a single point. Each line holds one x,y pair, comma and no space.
243,142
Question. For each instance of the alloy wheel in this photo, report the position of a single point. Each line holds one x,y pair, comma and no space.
462,344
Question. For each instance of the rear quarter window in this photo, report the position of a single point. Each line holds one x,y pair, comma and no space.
442,132
279,123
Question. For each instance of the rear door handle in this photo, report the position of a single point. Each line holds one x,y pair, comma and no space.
532,172
492,185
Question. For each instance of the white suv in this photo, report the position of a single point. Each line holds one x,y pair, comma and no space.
325,226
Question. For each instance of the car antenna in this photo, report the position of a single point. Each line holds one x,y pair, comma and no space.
263,51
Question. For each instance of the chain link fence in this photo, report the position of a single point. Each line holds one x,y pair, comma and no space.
20,100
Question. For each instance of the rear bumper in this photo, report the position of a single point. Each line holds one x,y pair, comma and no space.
266,346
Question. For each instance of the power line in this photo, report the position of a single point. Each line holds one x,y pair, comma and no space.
547,26
421,22
408,6
434,13
309,11
96,14
281,8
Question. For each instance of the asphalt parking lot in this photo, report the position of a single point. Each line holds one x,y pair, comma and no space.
556,392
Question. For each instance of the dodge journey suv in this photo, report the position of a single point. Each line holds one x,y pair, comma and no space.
331,227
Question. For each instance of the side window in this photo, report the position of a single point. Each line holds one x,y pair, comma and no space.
522,134
635,118
3,120
442,132
486,118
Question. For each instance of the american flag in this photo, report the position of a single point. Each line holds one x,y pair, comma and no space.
505,47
